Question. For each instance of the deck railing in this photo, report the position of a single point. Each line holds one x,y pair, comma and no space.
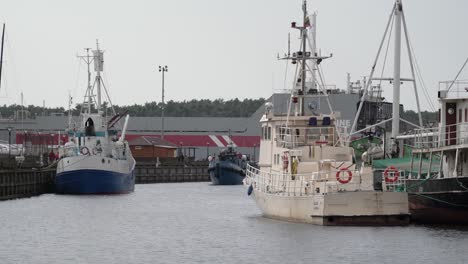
292,137
287,184
455,134
393,186
458,89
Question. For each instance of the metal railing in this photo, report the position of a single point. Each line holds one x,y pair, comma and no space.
393,186
292,137
455,134
458,89
287,184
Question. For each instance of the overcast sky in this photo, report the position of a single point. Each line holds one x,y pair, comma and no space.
213,48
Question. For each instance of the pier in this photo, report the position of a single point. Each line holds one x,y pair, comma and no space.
174,173
20,183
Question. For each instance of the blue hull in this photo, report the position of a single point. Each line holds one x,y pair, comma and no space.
94,182
226,173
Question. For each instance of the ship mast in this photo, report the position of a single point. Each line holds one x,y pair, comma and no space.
98,59
88,95
302,57
398,17
313,41
396,75
1,54
98,68
303,30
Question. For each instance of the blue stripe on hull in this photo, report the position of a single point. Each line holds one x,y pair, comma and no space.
94,182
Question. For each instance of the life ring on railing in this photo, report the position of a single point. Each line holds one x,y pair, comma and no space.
285,161
84,151
344,170
396,174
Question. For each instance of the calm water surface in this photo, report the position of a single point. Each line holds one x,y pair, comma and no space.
201,223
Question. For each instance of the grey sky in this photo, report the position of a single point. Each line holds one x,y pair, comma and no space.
214,48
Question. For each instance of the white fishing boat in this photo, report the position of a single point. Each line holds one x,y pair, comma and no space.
95,160
306,173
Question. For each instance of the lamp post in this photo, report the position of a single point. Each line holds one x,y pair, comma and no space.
162,69
254,146
207,151
9,141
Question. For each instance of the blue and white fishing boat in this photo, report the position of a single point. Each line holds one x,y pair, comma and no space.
95,160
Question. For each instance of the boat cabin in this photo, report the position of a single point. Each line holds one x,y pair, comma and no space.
300,144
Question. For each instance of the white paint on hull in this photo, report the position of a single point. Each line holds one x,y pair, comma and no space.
95,162
314,208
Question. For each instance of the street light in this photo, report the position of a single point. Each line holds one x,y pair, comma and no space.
162,69
9,141
255,145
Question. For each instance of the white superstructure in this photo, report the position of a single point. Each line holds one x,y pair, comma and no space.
305,172
96,159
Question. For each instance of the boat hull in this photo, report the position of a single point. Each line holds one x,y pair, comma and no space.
367,208
94,175
226,173
88,181
439,201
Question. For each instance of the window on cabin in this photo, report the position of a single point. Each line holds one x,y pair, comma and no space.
269,133
459,115
466,114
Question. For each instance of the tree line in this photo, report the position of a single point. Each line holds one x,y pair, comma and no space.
192,108
428,118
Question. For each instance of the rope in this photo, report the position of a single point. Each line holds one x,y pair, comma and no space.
80,160
442,201
421,183
435,199
461,184
285,75
386,51
421,80
456,77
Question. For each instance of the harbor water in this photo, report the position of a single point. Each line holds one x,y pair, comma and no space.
201,223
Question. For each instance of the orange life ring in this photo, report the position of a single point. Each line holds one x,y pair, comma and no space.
343,170
396,174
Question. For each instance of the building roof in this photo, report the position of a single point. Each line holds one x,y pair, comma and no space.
202,140
151,141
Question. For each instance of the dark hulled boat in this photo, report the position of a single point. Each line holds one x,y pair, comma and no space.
439,201
438,192
228,169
